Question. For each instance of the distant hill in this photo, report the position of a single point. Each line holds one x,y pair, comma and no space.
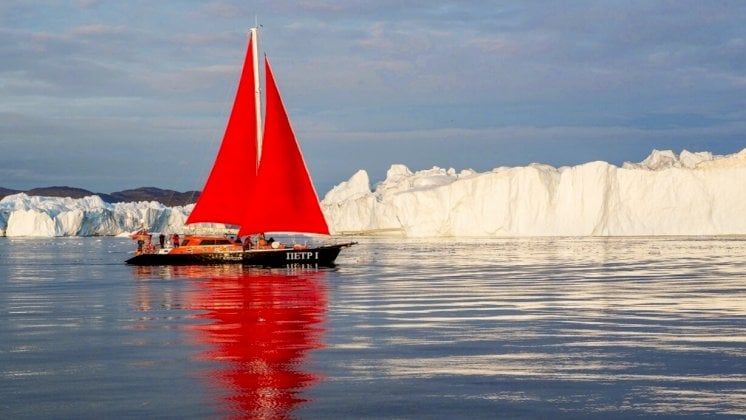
7,191
59,191
167,197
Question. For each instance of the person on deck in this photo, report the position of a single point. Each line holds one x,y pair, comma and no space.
140,237
149,248
175,240
261,242
162,240
247,244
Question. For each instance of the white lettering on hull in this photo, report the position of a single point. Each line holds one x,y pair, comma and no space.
305,255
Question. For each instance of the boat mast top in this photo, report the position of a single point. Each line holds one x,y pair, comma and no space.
257,92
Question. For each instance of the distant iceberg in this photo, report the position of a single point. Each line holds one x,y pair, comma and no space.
22,215
665,194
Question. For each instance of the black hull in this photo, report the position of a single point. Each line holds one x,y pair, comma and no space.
322,256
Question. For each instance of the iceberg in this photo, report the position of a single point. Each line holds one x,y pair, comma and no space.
33,216
665,194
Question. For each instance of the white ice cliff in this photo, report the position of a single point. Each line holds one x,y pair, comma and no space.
665,194
21,215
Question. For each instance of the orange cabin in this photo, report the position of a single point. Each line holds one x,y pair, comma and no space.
206,244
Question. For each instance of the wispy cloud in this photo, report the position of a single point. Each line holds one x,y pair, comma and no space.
540,79
97,29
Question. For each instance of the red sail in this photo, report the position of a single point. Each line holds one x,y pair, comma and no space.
283,199
226,193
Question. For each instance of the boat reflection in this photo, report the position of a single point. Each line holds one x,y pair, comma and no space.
260,326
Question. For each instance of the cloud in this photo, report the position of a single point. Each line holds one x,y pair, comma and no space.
97,30
222,9
455,78
87,4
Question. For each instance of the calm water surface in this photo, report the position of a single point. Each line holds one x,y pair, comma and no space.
598,328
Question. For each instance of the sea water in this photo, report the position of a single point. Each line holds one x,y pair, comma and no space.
499,328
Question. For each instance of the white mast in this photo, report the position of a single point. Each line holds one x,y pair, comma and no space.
257,94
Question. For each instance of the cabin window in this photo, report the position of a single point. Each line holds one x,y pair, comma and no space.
207,242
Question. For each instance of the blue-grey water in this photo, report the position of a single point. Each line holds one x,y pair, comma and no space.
526,328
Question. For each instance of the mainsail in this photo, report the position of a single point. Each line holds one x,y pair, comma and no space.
283,199
227,190
276,196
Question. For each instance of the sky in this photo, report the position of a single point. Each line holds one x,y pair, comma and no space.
110,94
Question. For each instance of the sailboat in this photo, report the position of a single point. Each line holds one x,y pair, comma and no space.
259,182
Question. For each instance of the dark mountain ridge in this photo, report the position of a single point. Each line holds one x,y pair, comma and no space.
164,196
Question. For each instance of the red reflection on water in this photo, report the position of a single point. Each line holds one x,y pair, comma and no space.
260,328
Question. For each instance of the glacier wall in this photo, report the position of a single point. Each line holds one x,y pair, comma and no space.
22,215
665,194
